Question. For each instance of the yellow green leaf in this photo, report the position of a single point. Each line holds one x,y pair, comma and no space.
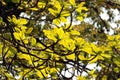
81,4
87,48
116,70
25,56
92,72
81,57
52,11
118,79
71,56
1,45
80,7
33,41
23,28
16,35
74,32
51,70
65,13
81,78
95,48
72,2
117,62
94,59
39,74
63,19
41,4
69,44
29,30
33,9
105,55
56,21
80,18
50,34
7,74
42,73
25,41
80,42
17,29
40,45
23,72
22,35
104,77
57,5
59,33
15,1
21,21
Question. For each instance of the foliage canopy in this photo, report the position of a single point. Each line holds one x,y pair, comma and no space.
51,39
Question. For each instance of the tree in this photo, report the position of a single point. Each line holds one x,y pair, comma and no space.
40,39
